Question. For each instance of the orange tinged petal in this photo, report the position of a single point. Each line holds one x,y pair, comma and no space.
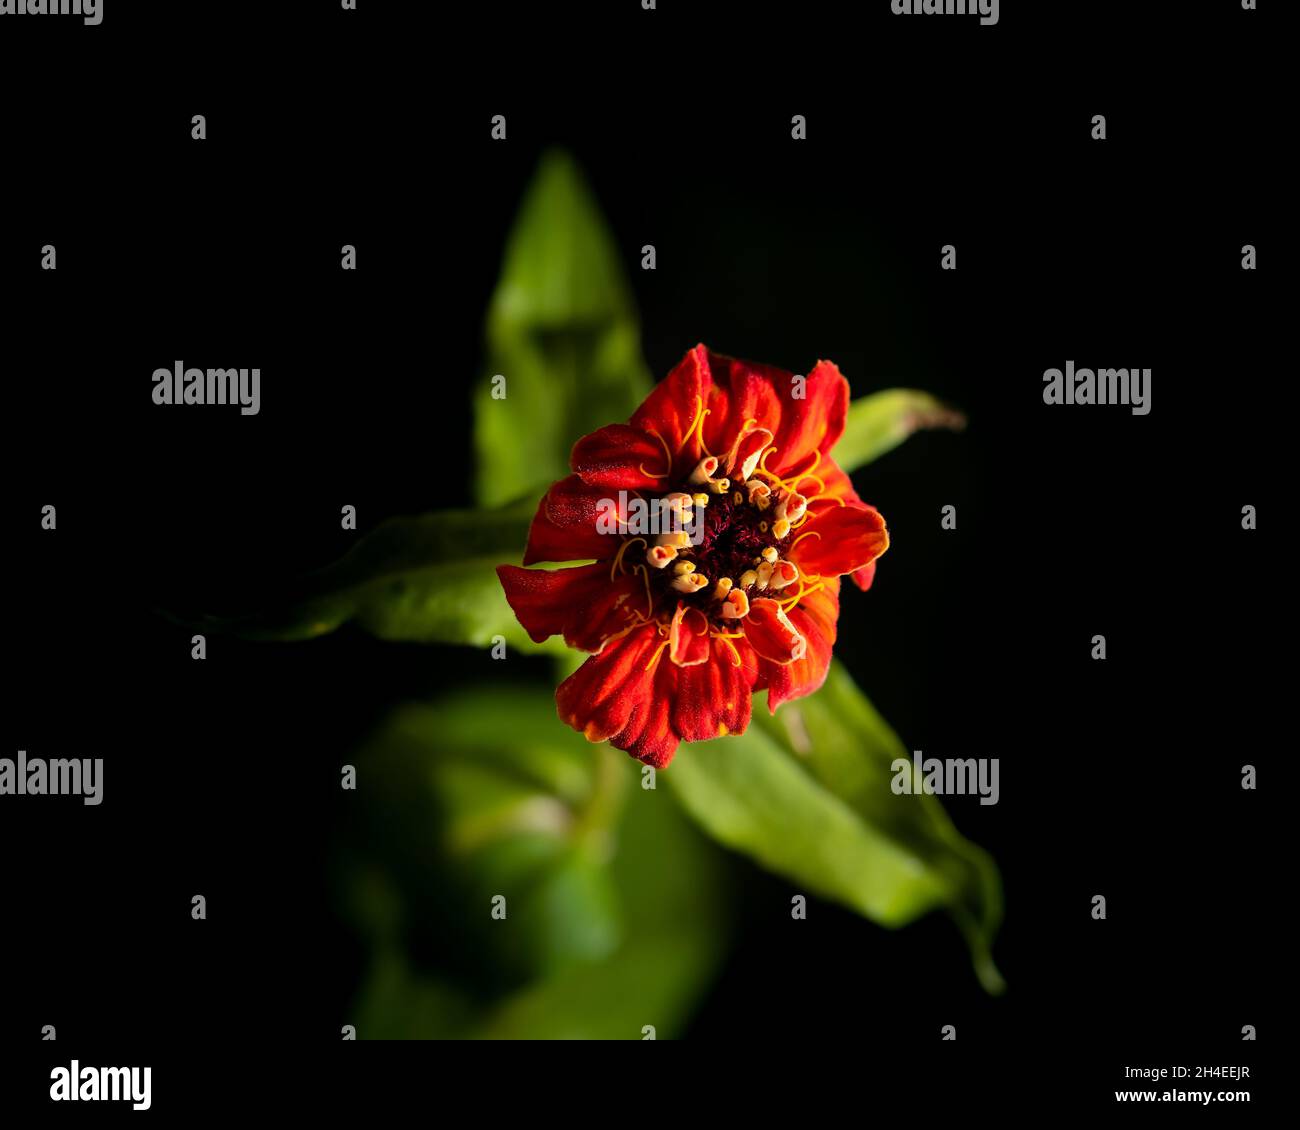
840,539
771,634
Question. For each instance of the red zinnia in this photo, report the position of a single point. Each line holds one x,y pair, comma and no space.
685,628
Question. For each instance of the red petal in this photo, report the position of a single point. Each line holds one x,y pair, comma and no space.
582,603
839,539
740,395
745,453
632,695
815,619
735,393
746,395
837,486
689,637
836,483
566,528
771,634
599,698
715,698
670,409
625,695
620,457
813,423
865,576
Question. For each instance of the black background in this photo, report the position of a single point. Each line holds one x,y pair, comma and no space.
324,127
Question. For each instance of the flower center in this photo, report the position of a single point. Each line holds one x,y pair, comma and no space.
729,543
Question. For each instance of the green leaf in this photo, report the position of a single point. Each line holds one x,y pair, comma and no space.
880,422
425,579
675,908
476,796
615,907
807,795
562,331
397,1002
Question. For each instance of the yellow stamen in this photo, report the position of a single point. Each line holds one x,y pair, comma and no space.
667,454
632,627
804,590
727,640
815,478
618,557
649,600
658,652
698,422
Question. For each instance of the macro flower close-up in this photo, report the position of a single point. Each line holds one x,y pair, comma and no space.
734,590
630,577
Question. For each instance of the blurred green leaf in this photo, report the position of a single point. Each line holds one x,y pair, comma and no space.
880,422
614,912
397,1002
675,908
562,330
807,795
480,795
425,579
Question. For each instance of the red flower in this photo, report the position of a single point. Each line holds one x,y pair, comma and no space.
739,592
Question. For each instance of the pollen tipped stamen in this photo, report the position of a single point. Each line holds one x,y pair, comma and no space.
704,470
690,582
678,502
783,573
780,528
722,588
764,575
736,606
760,494
677,539
791,507
747,578
659,556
